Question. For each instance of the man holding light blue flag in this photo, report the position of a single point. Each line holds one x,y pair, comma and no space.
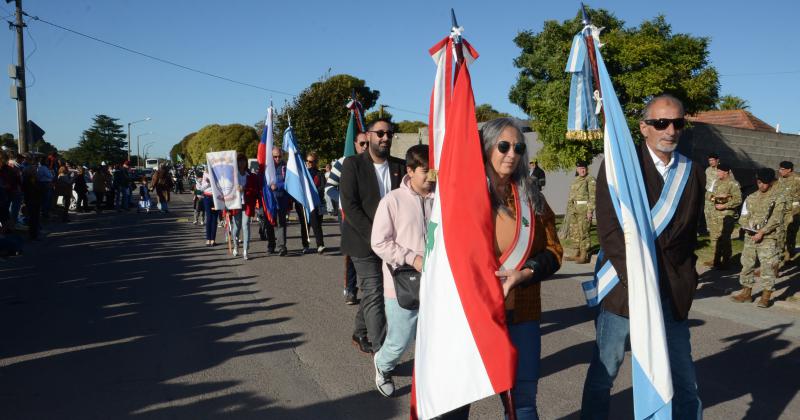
648,201
299,183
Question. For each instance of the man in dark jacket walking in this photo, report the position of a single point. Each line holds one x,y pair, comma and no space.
366,178
661,127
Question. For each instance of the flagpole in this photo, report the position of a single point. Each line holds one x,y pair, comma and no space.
587,22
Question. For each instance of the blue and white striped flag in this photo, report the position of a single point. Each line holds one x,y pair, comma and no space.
652,379
299,183
582,121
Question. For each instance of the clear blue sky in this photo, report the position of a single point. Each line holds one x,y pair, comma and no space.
286,45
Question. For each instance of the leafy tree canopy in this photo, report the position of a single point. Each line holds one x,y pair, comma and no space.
730,102
103,141
215,137
642,61
319,116
406,126
180,149
486,112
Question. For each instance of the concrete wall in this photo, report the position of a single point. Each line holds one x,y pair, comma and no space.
744,150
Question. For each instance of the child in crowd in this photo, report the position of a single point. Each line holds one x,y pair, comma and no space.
144,197
398,238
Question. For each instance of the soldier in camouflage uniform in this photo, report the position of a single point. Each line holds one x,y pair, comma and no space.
581,206
711,179
725,197
762,220
789,184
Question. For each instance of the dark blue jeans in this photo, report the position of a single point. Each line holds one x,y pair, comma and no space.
609,351
211,218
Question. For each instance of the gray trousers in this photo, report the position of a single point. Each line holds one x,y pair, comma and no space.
276,235
370,318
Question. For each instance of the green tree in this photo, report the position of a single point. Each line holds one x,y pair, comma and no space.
319,116
103,141
731,102
215,137
642,61
42,146
406,126
486,112
180,148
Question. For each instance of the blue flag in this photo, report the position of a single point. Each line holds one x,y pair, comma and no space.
652,378
299,183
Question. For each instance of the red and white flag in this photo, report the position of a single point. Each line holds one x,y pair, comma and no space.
463,350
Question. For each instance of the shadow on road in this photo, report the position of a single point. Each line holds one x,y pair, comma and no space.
122,320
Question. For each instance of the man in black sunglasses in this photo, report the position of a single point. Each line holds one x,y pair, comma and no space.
366,178
675,246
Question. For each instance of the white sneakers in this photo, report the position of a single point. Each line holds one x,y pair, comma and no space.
383,380
235,251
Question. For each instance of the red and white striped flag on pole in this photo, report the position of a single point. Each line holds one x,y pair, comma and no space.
463,350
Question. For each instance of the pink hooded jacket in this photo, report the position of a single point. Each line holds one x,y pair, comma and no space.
399,228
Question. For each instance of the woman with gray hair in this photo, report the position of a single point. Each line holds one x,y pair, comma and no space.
527,249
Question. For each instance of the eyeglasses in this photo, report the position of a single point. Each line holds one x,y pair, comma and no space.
381,133
276,157
311,161
362,143
504,146
662,123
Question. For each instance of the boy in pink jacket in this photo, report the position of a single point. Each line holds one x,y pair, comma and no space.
398,238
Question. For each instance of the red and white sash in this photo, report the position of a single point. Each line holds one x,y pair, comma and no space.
516,255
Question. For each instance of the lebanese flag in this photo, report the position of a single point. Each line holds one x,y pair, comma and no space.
463,350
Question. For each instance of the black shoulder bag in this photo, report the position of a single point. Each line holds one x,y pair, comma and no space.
406,277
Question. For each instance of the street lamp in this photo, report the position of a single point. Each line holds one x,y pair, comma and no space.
138,154
146,147
129,134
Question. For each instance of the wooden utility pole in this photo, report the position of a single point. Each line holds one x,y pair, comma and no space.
19,75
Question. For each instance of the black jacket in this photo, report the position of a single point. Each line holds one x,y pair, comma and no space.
674,247
360,195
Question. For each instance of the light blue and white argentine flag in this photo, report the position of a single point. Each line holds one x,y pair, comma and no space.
652,379
298,182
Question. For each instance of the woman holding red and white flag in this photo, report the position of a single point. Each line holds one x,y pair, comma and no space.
527,247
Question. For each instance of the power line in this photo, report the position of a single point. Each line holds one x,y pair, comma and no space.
405,110
161,60
178,65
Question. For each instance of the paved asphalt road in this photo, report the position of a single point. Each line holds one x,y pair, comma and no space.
130,316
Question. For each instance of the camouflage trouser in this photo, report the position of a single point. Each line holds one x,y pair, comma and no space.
792,225
708,213
719,232
768,253
579,229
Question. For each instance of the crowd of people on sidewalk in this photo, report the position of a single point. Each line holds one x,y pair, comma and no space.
36,190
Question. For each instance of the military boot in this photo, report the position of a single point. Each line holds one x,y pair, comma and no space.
764,302
744,295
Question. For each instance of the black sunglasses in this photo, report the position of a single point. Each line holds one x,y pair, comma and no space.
504,146
663,123
311,161
381,133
